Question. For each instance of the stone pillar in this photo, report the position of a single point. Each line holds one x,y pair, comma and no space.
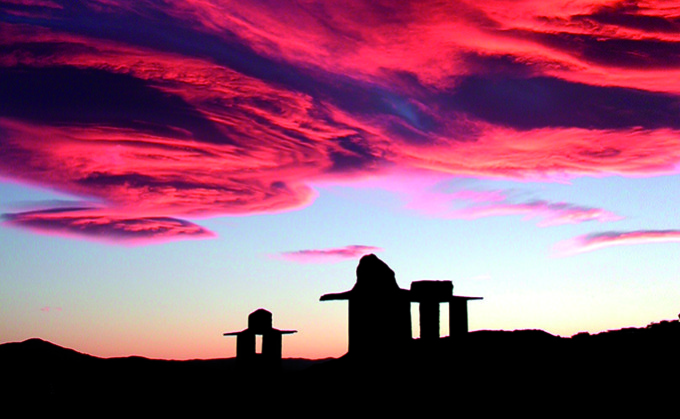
458,317
245,345
272,346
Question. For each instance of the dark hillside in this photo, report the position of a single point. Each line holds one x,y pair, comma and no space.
514,361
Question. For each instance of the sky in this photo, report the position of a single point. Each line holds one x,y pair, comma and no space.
168,167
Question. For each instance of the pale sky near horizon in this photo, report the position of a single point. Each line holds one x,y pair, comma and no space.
166,168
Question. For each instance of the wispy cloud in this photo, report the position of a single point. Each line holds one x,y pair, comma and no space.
594,241
551,213
473,204
328,255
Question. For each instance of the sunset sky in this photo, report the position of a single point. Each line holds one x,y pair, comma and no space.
169,166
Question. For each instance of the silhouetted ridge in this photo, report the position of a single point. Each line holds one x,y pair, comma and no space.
484,364
383,359
38,350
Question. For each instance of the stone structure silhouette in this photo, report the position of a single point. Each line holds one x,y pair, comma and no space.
429,294
380,311
259,323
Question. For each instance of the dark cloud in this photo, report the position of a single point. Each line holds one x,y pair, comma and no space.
628,14
538,102
133,180
600,49
69,95
354,154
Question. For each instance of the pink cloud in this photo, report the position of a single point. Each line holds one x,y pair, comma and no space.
594,241
329,255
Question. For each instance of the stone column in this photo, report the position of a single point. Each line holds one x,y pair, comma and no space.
458,317
245,345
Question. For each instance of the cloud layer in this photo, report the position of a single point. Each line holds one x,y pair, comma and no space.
165,110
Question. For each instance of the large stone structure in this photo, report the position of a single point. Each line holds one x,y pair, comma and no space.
380,311
259,323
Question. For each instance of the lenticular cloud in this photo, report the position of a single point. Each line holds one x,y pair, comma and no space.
171,110
594,241
328,255
86,223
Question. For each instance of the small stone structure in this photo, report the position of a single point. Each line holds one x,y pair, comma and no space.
259,323
429,294
380,311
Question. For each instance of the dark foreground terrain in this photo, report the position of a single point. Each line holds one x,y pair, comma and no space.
483,367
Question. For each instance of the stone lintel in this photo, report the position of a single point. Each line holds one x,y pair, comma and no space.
431,291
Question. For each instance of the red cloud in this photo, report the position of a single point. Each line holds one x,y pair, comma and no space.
598,42
506,152
235,108
594,241
329,255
